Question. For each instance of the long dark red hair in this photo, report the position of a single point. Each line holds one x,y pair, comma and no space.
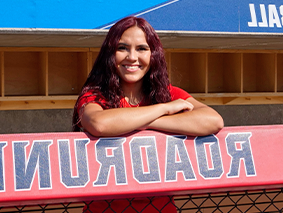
103,78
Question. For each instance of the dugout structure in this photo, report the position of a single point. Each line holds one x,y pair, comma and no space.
51,78
227,54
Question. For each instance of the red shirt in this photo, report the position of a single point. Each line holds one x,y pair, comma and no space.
88,97
162,203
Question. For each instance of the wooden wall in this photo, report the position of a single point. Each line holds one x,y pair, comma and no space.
45,80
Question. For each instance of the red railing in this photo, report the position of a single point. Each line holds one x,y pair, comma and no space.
51,168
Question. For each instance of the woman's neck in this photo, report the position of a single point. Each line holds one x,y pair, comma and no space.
133,93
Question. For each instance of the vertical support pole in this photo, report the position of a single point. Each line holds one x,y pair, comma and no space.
242,73
206,73
276,73
2,73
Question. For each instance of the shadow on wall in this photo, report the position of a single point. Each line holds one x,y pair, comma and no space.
247,115
60,120
35,121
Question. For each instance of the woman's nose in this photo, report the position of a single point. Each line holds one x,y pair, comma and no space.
132,55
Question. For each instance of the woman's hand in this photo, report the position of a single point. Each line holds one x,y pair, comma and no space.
178,105
195,119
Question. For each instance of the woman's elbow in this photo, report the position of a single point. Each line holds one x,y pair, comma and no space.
211,126
94,128
96,131
218,124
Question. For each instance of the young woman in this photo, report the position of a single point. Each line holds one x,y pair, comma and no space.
128,89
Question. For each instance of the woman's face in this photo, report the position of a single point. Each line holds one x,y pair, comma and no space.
132,56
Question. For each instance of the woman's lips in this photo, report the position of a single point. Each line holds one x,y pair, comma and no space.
132,68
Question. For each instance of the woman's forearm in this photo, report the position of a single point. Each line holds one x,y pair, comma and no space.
199,122
178,117
113,122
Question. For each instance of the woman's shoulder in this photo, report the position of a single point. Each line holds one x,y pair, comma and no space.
91,96
177,93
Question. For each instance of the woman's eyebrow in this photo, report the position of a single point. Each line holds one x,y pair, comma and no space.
141,45
124,44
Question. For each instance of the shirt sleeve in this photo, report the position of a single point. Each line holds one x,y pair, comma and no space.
177,93
90,97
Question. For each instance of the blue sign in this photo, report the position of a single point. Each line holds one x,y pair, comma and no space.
183,15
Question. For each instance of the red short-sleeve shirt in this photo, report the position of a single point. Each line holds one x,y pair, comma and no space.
88,97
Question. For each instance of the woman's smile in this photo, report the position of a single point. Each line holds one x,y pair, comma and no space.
132,68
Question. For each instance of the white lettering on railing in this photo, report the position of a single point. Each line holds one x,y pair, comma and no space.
145,162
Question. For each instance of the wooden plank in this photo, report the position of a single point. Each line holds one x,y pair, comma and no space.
223,50
43,49
279,73
240,100
31,104
64,102
2,74
206,73
275,72
242,73
250,94
39,98
94,49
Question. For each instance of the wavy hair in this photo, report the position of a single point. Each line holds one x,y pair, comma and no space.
103,78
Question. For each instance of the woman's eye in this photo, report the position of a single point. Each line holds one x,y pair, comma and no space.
143,49
121,48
